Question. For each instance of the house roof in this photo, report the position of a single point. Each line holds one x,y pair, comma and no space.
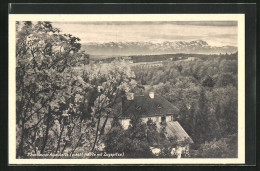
146,106
173,129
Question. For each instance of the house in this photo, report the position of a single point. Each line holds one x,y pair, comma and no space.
151,106
156,108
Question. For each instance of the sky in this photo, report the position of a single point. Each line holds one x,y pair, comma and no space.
216,33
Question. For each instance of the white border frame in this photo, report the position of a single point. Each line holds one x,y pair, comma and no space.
127,17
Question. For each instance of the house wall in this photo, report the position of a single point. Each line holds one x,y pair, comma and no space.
125,123
154,119
157,119
168,118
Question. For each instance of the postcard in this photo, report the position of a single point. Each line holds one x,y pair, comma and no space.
127,89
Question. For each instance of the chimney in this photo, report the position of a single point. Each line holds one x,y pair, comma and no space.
151,94
130,96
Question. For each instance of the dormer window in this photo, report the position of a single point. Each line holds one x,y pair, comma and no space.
159,106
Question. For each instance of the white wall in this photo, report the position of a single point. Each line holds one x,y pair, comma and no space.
154,119
144,120
168,118
125,123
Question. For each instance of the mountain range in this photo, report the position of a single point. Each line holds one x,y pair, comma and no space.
150,48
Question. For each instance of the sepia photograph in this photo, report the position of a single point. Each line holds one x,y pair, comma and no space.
154,87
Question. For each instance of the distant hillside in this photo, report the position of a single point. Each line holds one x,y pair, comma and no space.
172,57
149,48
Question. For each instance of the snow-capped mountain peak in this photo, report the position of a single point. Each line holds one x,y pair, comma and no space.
142,48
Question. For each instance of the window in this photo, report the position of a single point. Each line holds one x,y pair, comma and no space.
157,119
172,118
163,119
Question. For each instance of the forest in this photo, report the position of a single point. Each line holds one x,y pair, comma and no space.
205,91
61,98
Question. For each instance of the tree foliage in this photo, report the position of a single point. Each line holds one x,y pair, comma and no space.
222,148
60,96
133,141
205,91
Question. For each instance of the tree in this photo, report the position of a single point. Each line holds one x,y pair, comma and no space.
133,141
44,60
222,148
202,128
208,82
225,79
53,85
115,140
108,82
153,136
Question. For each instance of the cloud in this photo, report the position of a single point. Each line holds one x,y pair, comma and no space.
207,23
215,32
196,23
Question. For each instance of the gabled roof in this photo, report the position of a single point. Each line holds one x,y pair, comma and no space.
173,129
146,106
